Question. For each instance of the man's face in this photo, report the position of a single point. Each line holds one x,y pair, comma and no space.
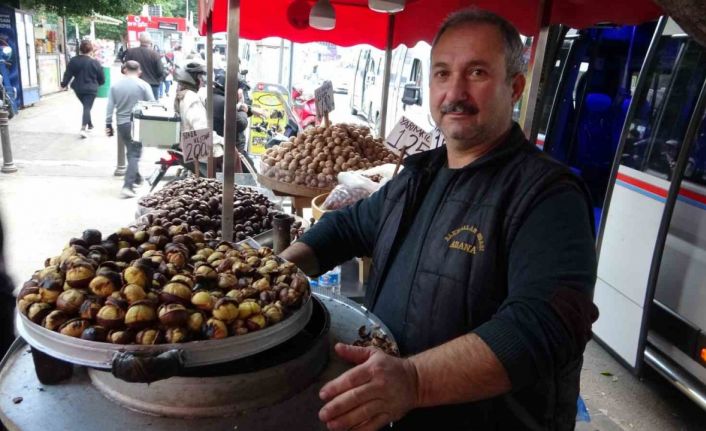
471,97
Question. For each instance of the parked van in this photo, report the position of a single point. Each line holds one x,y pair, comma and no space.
408,89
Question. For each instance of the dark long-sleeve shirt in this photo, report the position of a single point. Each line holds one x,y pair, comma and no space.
150,62
85,75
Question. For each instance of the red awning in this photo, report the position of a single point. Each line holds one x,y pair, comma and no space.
357,24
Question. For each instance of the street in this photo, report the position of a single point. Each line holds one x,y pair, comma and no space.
65,185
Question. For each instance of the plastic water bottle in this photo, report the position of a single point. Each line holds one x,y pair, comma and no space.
331,280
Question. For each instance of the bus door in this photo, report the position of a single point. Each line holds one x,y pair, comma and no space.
588,92
645,180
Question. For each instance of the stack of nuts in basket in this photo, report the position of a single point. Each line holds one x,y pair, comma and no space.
196,203
315,157
150,287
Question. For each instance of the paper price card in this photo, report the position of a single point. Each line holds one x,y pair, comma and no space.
196,144
412,139
324,99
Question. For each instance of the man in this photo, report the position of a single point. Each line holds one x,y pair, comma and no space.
483,262
150,62
122,98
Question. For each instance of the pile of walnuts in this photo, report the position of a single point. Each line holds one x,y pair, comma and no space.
315,157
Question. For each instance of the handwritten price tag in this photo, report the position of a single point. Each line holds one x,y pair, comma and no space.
196,144
411,138
324,99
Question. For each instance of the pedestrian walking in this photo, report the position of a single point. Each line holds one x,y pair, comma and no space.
85,75
123,97
150,62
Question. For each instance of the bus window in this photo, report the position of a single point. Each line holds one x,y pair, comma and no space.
662,115
584,117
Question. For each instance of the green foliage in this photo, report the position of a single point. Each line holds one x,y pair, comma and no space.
86,7
175,8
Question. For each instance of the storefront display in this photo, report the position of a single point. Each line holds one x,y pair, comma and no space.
48,44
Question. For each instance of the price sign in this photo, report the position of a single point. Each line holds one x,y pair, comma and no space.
324,99
196,144
411,138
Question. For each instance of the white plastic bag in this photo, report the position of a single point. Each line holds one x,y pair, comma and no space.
356,185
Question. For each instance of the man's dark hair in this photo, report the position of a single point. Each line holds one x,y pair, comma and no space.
514,59
85,47
131,66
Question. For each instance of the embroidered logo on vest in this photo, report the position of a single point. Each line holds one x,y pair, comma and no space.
475,245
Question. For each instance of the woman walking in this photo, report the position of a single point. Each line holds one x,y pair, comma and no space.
85,75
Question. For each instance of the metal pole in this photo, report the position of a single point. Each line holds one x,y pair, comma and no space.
280,75
540,50
121,167
8,165
231,161
291,64
210,172
386,75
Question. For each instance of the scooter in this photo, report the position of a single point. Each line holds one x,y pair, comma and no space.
305,109
175,158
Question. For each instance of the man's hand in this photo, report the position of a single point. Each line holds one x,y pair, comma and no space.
109,130
379,390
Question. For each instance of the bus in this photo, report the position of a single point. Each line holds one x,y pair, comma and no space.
625,108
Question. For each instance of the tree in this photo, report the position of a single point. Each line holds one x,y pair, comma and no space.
175,8
86,7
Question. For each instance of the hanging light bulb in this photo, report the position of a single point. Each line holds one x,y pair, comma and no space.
389,6
322,16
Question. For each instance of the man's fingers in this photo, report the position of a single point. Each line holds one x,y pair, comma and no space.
347,401
375,423
352,378
354,354
359,416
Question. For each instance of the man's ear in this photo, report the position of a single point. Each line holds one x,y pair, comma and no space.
518,86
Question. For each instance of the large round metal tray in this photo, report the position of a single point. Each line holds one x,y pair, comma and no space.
195,353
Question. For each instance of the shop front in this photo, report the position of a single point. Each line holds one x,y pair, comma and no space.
166,33
51,61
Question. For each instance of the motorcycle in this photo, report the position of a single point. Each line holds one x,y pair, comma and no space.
175,158
304,109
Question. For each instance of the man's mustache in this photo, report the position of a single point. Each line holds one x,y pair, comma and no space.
460,107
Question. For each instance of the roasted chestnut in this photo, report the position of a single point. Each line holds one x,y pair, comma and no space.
173,315
226,309
195,321
95,333
110,316
125,234
248,308
133,293
126,336
149,336
105,283
92,236
176,335
206,273
70,301
80,274
256,322
140,315
90,307
273,313
181,278
262,284
227,281
127,254
216,329
238,327
74,327
37,311
203,300
54,320
175,292
138,275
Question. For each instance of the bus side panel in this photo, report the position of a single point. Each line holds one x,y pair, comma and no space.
631,230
